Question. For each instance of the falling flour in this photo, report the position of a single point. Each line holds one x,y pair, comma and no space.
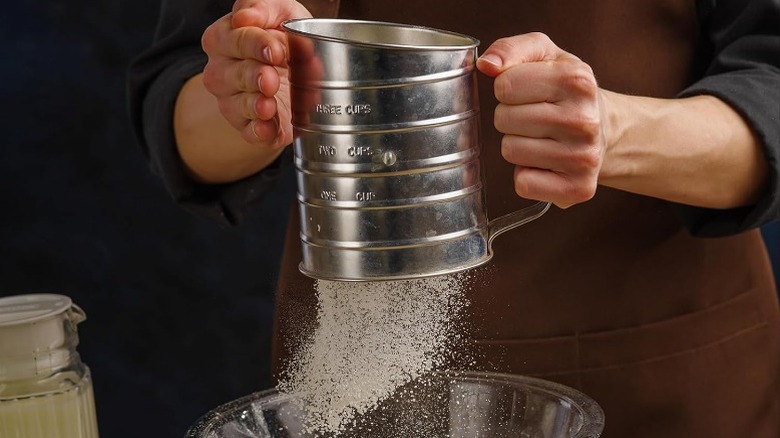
371,339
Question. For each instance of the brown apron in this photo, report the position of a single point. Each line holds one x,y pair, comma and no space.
674,336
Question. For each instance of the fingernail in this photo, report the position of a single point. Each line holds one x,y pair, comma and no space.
252,124
267,54
492,59
259,82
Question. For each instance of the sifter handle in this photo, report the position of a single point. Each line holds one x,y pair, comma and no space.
515,219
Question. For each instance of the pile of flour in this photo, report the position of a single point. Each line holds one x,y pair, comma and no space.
370,339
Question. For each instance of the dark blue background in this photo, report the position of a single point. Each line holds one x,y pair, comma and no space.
179,309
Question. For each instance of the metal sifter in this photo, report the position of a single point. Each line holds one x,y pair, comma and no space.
386,139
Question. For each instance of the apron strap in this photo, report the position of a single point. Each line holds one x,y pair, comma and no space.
322,8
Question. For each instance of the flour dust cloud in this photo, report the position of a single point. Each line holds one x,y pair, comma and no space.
370,339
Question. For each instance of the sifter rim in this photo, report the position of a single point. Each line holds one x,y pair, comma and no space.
465,41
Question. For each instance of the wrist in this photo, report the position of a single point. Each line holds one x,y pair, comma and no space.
696,151
617,115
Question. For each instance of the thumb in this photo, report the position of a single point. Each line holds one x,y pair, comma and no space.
519,49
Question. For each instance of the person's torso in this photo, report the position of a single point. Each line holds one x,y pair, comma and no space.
619,259
613,296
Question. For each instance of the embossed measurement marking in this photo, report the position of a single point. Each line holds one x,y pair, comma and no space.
336,110
365,196
324,108
359,151
327,150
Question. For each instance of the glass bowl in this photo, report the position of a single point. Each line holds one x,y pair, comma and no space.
443,405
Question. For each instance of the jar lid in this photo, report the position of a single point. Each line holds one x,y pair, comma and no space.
38,335
22,309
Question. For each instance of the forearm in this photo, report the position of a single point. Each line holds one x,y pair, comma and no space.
696,151
212,150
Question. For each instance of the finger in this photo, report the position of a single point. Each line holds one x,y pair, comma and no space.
519,49
255,106
229,77
268,133
555,81
545,185
266,14
237,109
265,107
220,40
260,132
544,153
575,123
255,43
226,78
528,83
269,81
240,108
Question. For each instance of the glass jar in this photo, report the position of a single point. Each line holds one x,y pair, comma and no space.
45,389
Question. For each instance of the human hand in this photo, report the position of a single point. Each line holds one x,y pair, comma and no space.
551,115
247,69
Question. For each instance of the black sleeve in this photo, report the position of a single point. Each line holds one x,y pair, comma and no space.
743,49
154,80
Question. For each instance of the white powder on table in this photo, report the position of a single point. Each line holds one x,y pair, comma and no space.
372,338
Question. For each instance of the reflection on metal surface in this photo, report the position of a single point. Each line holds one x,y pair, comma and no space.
386,127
